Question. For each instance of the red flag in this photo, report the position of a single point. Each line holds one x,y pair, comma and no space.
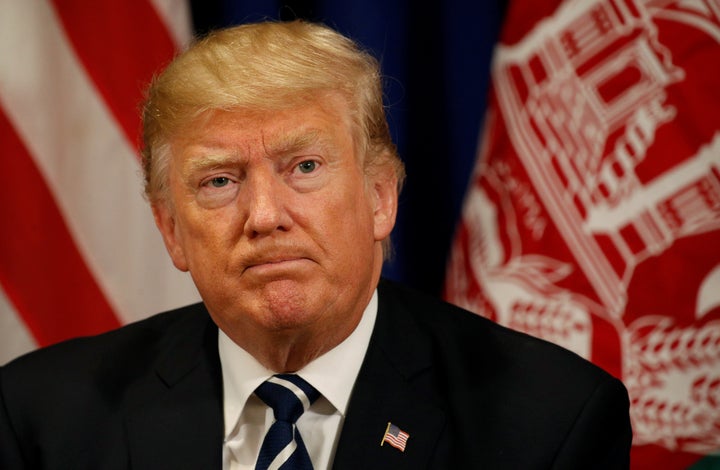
78,250
593,216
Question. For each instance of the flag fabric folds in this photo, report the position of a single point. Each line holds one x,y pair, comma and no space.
593,214
79,253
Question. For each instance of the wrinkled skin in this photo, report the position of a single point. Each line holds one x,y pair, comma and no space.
278,225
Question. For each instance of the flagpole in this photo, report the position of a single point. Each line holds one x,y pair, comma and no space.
386,431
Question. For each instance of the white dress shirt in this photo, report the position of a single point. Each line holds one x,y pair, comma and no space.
247,418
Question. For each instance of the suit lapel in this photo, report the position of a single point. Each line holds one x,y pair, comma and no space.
395,384
175,419
181,425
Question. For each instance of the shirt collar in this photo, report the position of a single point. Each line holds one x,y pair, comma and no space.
333,374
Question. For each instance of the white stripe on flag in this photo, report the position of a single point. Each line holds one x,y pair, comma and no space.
16,339
176,16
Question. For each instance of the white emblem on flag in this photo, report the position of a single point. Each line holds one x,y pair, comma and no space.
598,227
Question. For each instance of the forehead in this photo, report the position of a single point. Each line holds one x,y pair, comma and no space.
240,134
325,120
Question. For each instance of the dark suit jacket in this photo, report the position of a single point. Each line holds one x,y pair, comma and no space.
470,393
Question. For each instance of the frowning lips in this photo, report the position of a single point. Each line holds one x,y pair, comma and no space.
275,260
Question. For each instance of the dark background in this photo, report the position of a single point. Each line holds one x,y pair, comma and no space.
436,61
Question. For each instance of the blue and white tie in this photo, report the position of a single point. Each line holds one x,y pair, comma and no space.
289,396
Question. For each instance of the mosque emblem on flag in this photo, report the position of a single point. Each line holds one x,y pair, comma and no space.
593,216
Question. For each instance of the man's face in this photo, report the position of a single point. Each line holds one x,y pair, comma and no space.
274,218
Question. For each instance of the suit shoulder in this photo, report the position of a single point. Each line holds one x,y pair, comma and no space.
471,341
96,382
478,371
131,340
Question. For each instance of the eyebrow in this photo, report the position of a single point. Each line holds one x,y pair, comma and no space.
294,141
207,162
287,143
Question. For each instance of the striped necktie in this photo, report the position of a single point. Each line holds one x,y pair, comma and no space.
289,396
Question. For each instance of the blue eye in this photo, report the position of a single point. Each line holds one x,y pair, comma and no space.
307,166
219,182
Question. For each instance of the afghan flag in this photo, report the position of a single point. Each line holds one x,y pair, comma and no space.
593,214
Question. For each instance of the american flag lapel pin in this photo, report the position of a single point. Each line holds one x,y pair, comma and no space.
395,436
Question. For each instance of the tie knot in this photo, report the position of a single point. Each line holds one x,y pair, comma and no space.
288,395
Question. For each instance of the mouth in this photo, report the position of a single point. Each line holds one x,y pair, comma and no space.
275,265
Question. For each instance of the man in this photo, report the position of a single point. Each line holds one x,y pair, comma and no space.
274,182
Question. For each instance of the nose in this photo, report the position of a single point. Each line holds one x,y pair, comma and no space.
266,205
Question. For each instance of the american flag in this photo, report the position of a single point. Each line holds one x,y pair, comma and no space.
79,253
395,436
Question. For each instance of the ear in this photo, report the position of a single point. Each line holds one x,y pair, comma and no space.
165,221
385,194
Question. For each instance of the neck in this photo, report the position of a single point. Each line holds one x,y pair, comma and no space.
290,351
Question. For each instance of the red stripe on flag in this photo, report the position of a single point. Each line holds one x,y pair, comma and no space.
41,269
121,44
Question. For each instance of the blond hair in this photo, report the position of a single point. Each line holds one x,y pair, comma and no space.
265,66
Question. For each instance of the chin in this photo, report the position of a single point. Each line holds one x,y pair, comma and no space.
287,301
284,317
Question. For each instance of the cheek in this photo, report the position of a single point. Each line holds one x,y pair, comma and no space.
205,234
353,221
